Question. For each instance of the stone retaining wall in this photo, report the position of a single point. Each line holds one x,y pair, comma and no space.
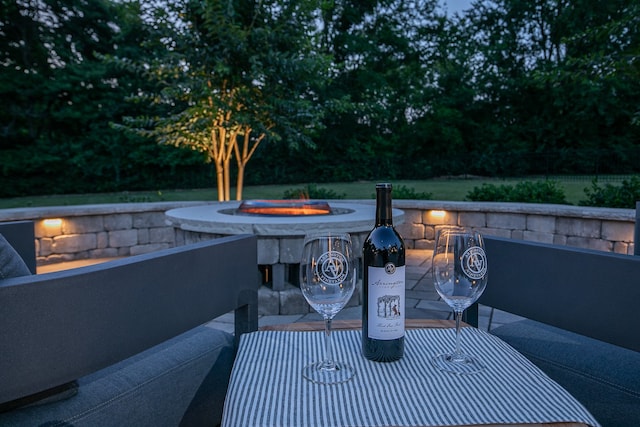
610,230
98,231
116,230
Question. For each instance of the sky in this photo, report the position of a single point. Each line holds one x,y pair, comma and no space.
456,5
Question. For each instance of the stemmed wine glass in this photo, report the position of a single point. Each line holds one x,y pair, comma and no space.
327,280
460,277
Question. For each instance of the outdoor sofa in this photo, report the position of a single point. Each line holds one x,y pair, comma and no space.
581,324
125,342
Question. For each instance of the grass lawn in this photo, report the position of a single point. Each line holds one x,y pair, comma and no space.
454,189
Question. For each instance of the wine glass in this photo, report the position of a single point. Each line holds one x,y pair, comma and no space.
327,281
460,277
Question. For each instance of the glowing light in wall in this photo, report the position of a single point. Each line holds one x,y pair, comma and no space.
438,214
52,222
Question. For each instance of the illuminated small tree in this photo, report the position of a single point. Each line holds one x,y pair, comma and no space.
232,75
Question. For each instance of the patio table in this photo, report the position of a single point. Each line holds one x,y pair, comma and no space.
267,388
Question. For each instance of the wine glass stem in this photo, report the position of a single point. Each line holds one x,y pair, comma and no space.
328,363
457,354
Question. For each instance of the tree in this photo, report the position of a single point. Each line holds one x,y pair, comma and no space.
59,95
232,75
51,86
556,80
381,53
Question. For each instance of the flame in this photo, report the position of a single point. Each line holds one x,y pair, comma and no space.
284,207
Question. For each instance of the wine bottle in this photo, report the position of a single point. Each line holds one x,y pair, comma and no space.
383,309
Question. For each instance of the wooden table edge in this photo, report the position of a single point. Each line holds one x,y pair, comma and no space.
337,325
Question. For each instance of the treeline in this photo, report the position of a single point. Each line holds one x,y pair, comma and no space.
393,89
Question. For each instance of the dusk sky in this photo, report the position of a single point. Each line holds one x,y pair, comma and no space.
457,5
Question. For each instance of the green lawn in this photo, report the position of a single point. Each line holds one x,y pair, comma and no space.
454,189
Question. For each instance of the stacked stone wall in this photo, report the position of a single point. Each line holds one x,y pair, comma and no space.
97,231
609,230
118,230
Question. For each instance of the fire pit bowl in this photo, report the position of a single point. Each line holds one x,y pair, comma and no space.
284,207
224,219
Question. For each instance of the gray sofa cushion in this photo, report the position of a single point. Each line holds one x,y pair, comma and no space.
180,382
11,264
603,377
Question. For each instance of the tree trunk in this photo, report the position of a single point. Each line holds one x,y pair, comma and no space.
240,181
227,179
214,156
242,158
231,143
220,181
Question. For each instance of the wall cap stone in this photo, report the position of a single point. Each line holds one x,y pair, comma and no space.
15,214
521,208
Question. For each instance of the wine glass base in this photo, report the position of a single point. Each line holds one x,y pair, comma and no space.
320,374
461,364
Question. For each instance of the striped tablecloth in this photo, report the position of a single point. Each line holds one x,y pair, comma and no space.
267,387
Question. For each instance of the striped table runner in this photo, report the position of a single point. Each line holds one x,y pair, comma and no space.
267,387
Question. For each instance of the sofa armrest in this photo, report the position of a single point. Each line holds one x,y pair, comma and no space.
61,326
567,287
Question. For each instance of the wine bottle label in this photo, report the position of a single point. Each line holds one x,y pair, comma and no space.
386,302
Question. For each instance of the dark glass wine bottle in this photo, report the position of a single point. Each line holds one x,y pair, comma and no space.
383,309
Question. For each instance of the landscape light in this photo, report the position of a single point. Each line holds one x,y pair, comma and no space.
52,222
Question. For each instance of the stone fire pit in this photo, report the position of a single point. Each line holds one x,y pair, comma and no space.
280,238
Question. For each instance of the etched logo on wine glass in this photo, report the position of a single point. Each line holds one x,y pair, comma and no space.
474,262
389,307
331,268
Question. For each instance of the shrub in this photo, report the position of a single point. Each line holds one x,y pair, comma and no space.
523,192
613,196
403,192
311,191
490,193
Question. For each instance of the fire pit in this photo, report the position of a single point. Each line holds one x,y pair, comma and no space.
280,236
284,207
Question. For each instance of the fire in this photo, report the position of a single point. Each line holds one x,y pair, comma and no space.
284,207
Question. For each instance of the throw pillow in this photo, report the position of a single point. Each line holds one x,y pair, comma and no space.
11,264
